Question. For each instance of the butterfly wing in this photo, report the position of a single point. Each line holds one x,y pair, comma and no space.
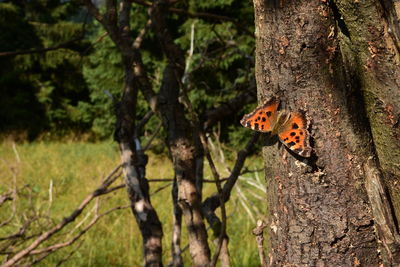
263,118
295,136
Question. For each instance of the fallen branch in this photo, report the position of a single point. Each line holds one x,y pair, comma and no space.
67,220
55,247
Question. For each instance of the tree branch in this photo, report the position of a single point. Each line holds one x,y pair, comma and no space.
222,228
41,50
212,202
198,15
227,108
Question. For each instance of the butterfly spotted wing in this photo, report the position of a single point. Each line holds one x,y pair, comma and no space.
294,134
263,118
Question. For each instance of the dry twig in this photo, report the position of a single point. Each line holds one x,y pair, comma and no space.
258,232
222,234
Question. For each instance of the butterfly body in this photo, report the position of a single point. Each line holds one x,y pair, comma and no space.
291,127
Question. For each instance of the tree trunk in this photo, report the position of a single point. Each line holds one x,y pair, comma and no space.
134,171
323,210
180,139
371,55
116,22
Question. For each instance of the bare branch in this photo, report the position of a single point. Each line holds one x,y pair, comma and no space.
21,231
241,158
14,192
138,40
140,125
6,197
222,230
67,220
228,108
55,247
157,130
69,254
171,180
114,188
213,202
161,188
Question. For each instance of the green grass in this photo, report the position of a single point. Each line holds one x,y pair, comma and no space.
73,170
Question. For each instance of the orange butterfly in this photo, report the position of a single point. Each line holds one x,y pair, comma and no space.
291,127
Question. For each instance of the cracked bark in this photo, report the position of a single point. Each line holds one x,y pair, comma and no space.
323,211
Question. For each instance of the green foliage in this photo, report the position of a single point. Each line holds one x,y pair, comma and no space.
41,90
63,90
103,72
15,87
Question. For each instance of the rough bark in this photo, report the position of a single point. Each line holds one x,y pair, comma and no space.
180,139
321,213
182,151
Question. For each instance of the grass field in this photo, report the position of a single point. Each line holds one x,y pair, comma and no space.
61,175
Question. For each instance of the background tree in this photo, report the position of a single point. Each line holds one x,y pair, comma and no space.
182,133
42,81
338,61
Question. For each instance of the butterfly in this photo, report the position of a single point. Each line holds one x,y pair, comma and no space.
291,127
